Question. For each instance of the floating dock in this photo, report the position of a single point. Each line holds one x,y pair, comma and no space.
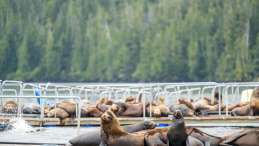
211,121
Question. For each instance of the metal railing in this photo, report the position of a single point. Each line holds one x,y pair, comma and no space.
18,91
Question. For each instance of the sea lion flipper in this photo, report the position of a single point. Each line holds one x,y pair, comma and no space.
234,137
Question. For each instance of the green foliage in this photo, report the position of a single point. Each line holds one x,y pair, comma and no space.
122,40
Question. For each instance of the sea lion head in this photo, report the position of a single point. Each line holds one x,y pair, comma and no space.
107,117
178,115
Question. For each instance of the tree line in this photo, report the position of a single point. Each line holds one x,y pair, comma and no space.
129,40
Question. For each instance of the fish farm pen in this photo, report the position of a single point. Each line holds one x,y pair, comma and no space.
86,94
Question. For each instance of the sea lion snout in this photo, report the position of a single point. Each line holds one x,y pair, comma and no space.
106,117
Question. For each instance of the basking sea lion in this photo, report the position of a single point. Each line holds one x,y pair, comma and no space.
242,111
248,108
90,111
254,103
204,137
112,134
244,138
92,136
31,109
129,110
58,112
103,104
10,107
131,100
159,109
200,105
68,105
187,112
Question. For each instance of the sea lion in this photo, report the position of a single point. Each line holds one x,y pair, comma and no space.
187,112
59,112
112,134
254,103
129,110
177,134
90,111
131,99
158,107
31,109
242,111
10,107
243,138
204,137
92,136
156,137
68,105
103,104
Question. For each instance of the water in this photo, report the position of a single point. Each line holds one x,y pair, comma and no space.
22,132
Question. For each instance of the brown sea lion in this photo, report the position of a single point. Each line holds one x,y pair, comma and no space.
68,105
131,99
242,111
129,110
243,138
186,111
10,107
204,137
254,103
159,109
58,112
112,134
90,111
156,137
92,136
103,104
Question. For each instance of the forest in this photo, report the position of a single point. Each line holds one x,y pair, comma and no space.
129,40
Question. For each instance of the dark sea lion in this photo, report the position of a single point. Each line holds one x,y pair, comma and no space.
244,138
92,136
59,112
178,135
31,109
10,107
112,134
